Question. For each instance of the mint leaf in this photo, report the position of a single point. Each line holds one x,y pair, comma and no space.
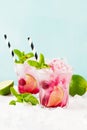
18,61
13,102
31,99
22,53
25,95
77,85
33,63
18,52
29,55
45,66
41,60
20,56
14,92
21,98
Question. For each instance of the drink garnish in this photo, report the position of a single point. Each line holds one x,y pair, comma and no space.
21,98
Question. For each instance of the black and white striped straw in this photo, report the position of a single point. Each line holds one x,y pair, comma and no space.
9,46
33,48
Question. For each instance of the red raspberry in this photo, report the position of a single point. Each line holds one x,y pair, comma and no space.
45,100
22,82
45,85
35,91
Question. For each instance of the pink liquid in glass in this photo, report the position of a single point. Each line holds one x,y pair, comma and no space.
54,84
27,78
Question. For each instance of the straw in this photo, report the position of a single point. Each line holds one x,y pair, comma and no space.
9,46
33,48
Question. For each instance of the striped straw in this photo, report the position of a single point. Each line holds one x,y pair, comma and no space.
9,46
33,48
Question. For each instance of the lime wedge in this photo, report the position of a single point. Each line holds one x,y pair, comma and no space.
5,87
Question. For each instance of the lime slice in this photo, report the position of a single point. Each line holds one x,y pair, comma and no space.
5,87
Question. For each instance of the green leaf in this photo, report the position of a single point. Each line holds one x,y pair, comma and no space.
25,95
41,60
77,85
22,59
18,52
13,102
31,99
22,53
29,55
19,61
14,92
33,63
45,66
20,98
20,56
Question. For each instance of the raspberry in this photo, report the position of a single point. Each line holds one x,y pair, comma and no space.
22,82
36,90
45,100
45,85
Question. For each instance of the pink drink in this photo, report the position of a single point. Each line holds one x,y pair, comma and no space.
54,85
27,78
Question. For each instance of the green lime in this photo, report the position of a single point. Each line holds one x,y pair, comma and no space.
5,87
78,85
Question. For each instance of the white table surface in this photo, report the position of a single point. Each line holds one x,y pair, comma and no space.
27,117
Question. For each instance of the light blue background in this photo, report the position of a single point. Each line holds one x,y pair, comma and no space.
58,29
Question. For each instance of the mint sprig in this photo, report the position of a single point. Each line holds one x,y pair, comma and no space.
21,98
22,57
39,64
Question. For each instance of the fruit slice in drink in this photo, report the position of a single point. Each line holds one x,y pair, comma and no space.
29,84
55,97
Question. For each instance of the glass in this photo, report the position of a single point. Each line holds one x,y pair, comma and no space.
27,78
54,85
51,83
